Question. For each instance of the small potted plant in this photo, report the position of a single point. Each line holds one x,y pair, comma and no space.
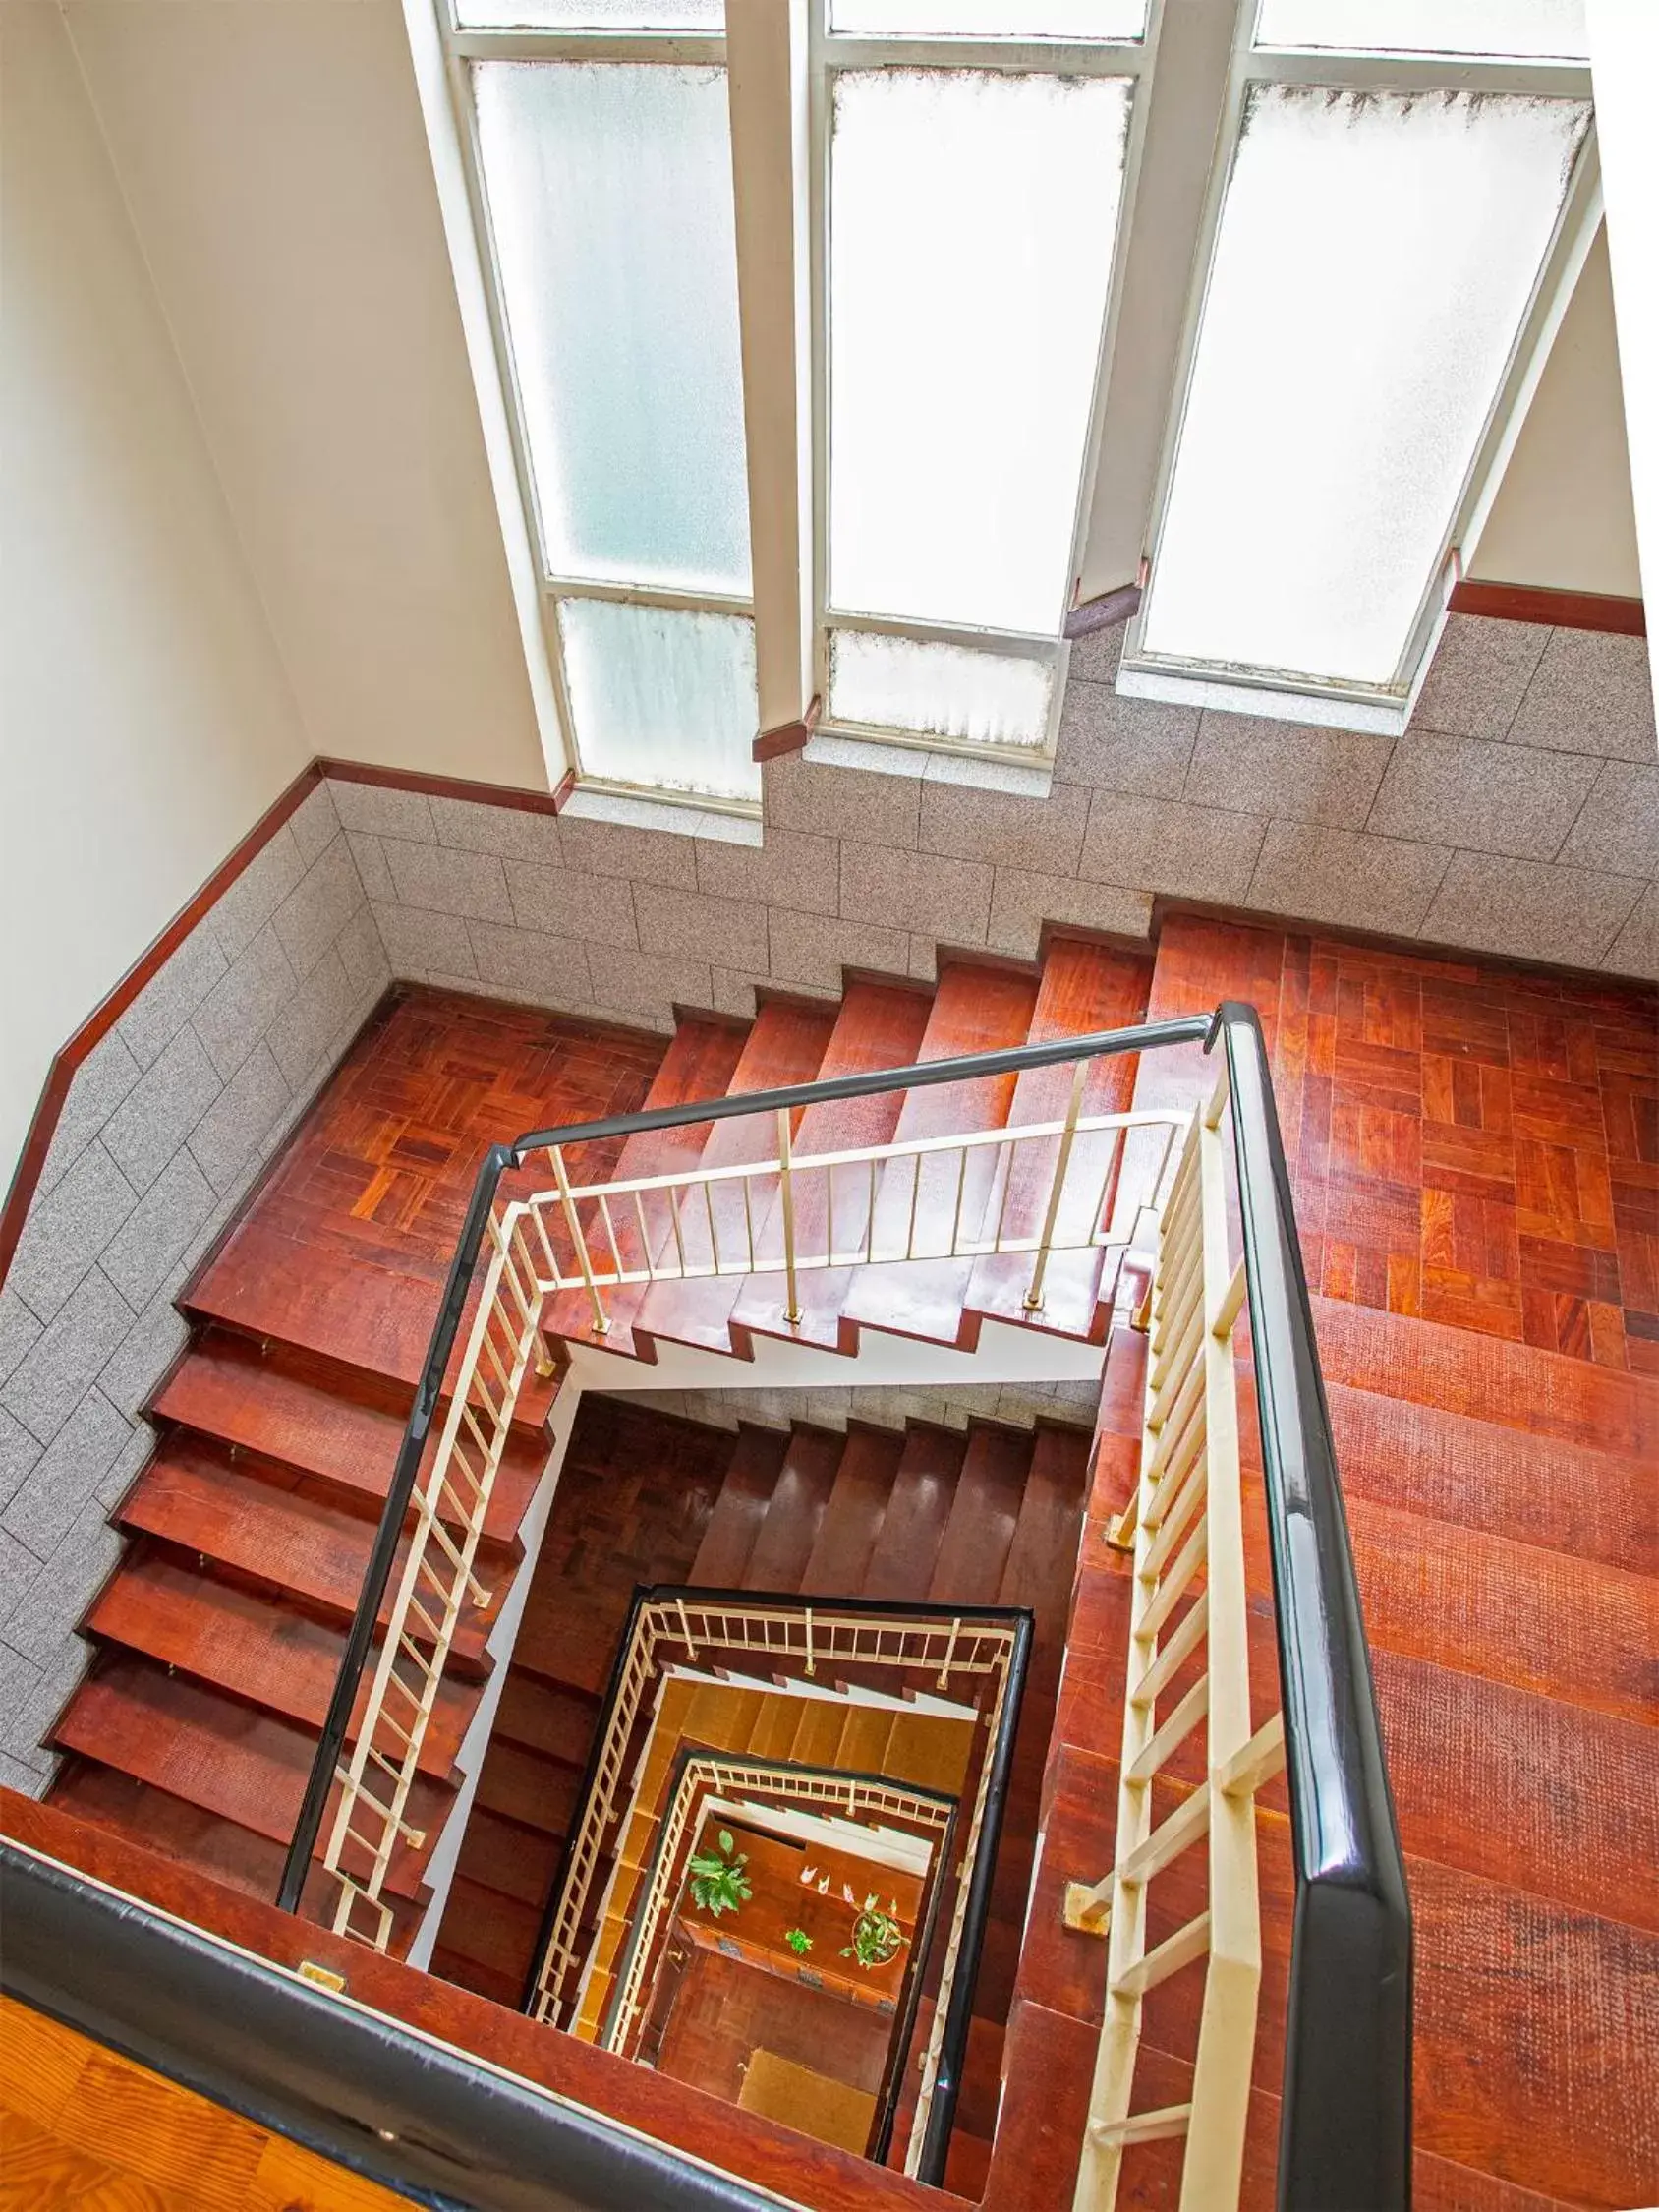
719,1883
877,1936
799,1942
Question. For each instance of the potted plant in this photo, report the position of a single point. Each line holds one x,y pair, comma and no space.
719,1883
799,1942
877,1936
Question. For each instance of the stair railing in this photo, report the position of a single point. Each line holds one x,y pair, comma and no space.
1345,2129
984,1649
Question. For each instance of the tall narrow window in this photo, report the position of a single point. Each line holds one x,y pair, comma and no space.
972,219
1377,254
1512,29
610,202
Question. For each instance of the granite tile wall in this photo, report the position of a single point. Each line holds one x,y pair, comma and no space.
1519,815
167,1122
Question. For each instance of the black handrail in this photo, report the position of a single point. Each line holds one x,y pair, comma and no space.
1345,2138
1345,2124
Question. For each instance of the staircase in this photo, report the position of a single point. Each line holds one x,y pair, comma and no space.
992,1517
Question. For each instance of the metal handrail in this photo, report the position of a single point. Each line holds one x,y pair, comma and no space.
1345,2130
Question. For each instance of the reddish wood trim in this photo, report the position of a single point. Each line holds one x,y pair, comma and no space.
1106,613
109,1010
687,2119
451,786
1564,610
789,736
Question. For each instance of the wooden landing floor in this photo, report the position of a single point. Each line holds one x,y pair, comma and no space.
82,2126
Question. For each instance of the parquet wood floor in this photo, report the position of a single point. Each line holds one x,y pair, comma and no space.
81,2125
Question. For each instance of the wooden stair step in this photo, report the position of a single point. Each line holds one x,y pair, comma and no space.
698,1065
1489,1379
1084,988
220,1755
974,1009
928,1750
540,1717
853,1517
818,1732
787,1045
471,1973
1563,1494
1042,1561
984,1516
786,1537
865,1734
277,1405
878,1025
906,1549
489,1929
981,2078
262,1520
498,1853
1524,1614
523,1787
269,1655
741,1508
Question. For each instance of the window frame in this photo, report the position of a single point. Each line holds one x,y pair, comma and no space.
827,55
462,49
1348,705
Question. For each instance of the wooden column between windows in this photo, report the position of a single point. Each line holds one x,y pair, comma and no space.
767,84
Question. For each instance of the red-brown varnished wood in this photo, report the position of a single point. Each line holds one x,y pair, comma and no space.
787,1045
699,1064
974,1009
264,1522
163,1607
983,1514
880,1025
1042,1559
1084,988
247,1766
280,1404
522,1785
740,1509
785,1540
852,1519
503,1855
545,1718
918,1511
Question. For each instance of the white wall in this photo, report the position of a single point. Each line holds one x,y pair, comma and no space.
275,161
1564,516
148,721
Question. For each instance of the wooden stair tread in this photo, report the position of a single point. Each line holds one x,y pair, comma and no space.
974,1009
740,1509
785,1045
543,1718
523,1787
274,1404
498,1853
918,1511
267,1653
471,1973
1042,1559
698,1065
1084,988
786,1537
878,1025
227,1757
984,1515
853,1517
259,1519
491,1928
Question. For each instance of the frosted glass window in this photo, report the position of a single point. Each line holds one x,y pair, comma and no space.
989,19
663,697
591,14
1376,257
972,219
1536,29
938,690
609,187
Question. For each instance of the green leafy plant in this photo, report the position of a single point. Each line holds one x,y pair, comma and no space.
877,1936
719,1883
799,1942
